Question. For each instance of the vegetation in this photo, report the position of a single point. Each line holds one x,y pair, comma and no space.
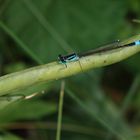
101,103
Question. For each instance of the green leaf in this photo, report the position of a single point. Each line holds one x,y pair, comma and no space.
29,109
9,136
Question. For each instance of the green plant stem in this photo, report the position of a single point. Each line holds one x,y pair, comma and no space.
53,71
60,110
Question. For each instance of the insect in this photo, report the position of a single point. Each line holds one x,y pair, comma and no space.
75,57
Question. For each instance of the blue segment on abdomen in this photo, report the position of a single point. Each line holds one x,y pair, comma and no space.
137,42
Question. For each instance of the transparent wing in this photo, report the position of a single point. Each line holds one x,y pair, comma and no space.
107,47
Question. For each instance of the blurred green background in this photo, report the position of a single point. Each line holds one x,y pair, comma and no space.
101,104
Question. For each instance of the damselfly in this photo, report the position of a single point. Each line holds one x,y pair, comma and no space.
75,57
